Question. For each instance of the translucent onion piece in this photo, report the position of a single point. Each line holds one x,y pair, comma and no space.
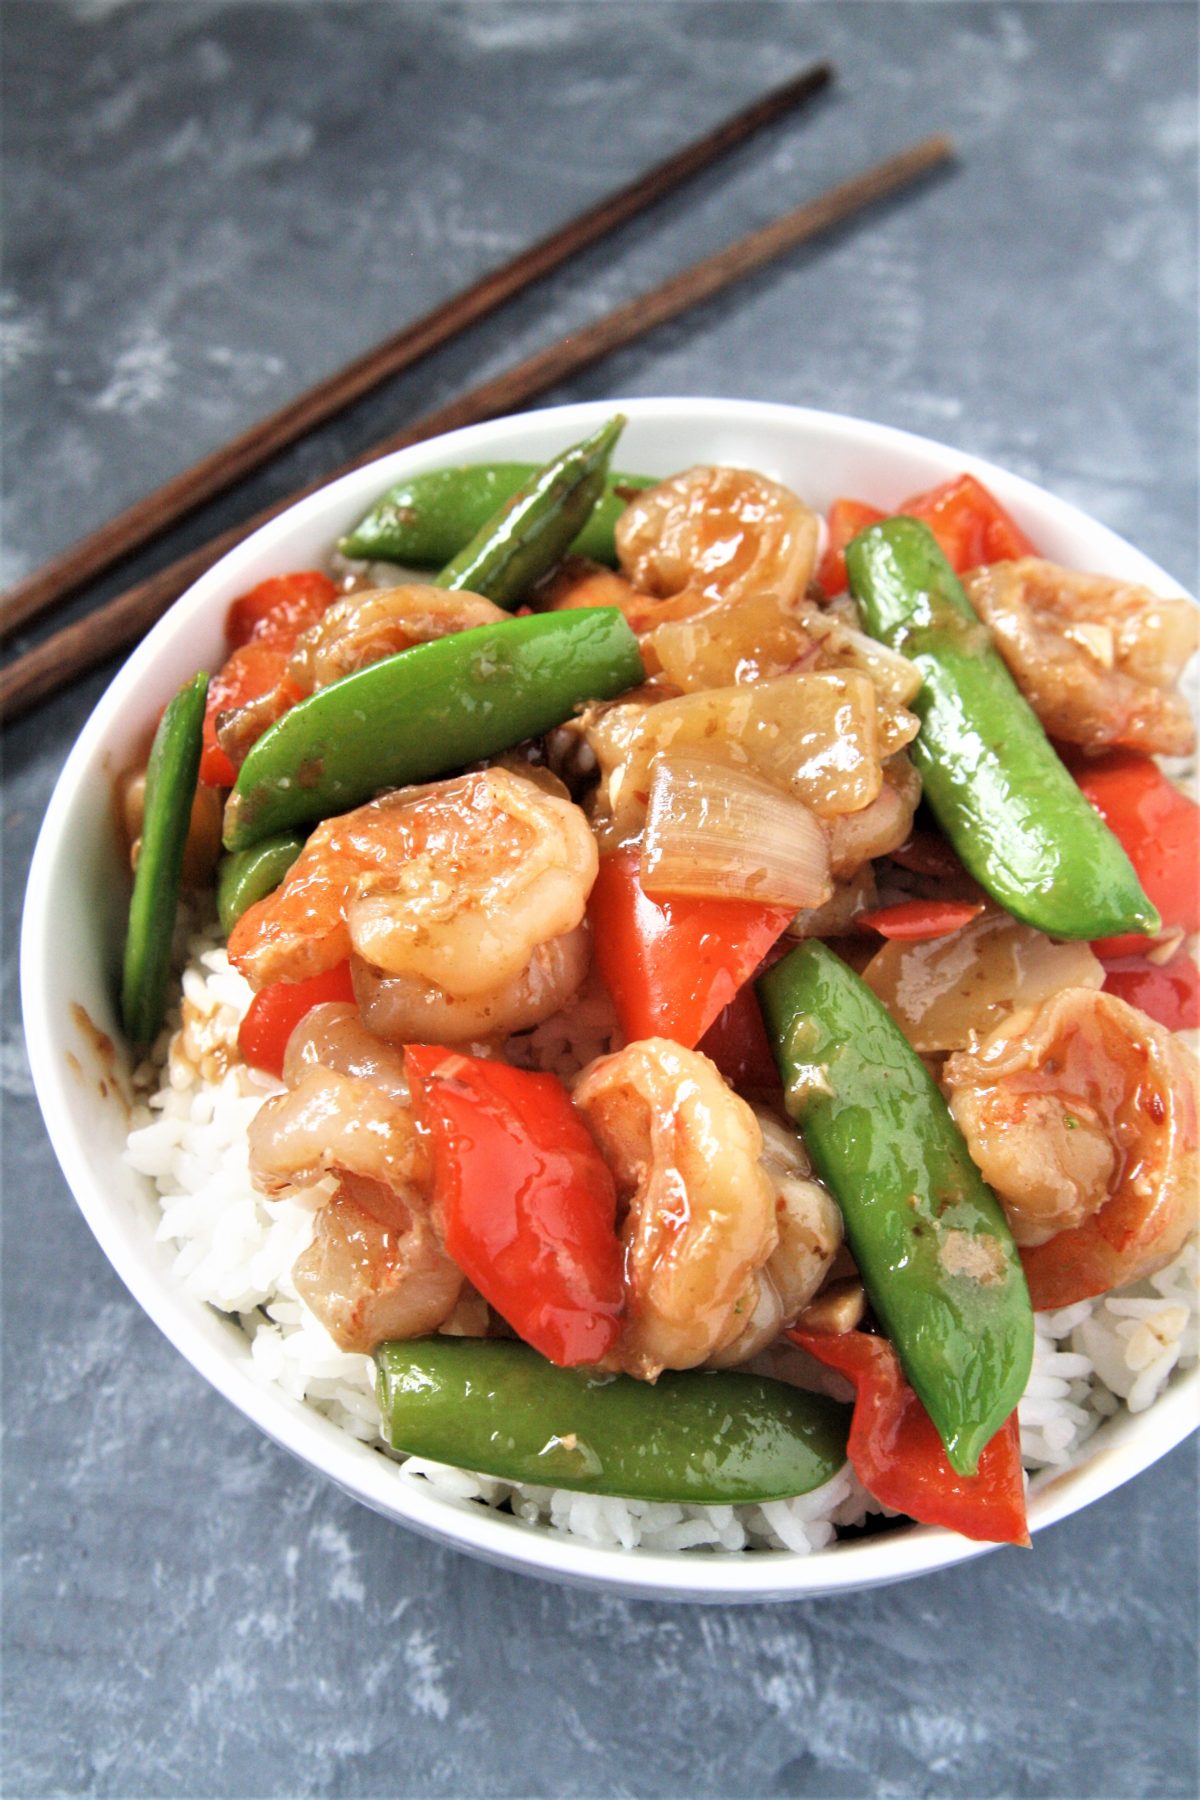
945,990
764,636
719,833
724,646
817,735
844,647
820,736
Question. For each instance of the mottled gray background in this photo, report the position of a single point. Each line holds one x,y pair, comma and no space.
207,206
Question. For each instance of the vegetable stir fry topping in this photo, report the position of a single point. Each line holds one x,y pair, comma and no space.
681,940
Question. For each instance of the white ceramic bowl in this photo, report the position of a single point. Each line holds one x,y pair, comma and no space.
73,929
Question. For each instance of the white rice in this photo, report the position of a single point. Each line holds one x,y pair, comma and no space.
236,1252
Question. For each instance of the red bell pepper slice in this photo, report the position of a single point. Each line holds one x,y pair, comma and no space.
1168,992
262,626
279,609
526,1201
969,524
899,1457
737,1043
845,519
918,920
671,965
967,520
1159,830
278,1008
251,673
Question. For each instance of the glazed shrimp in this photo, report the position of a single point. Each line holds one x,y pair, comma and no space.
577,581
856,838
408,1011
333,1036
362,628
375,1268
454,886
1076,1105
1097,659
331,1123
721,532
810,1235
367,626
369,1280
700,1216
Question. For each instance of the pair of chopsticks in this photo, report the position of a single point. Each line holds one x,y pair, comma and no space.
91,640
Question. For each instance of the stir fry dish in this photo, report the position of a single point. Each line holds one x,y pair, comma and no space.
712,975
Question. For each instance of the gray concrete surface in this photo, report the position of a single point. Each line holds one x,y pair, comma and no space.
206,206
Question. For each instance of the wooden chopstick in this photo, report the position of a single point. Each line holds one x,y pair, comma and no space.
71,652
130,530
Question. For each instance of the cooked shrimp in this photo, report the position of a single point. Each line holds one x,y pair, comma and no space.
577,581
856,838
700,1216
1097,659
823,737
362,628
365,627
370,1279
408,1011
722,532
375,1268
810,1235
454,885
1076,1103
331,1123
334,1036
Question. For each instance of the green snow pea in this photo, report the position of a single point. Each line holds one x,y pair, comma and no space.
170,789
425,521
432,708
533,530
708,1437
932,1245
989,772
250,875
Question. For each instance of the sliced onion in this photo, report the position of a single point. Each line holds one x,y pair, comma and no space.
944,991
714,832
817,735
844,646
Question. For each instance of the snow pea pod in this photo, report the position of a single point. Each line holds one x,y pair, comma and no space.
533,530
170,789
708,1437
250,875
989,772
425,521
932,1245
432,708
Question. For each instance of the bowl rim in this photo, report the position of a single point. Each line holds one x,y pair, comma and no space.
1127,1446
